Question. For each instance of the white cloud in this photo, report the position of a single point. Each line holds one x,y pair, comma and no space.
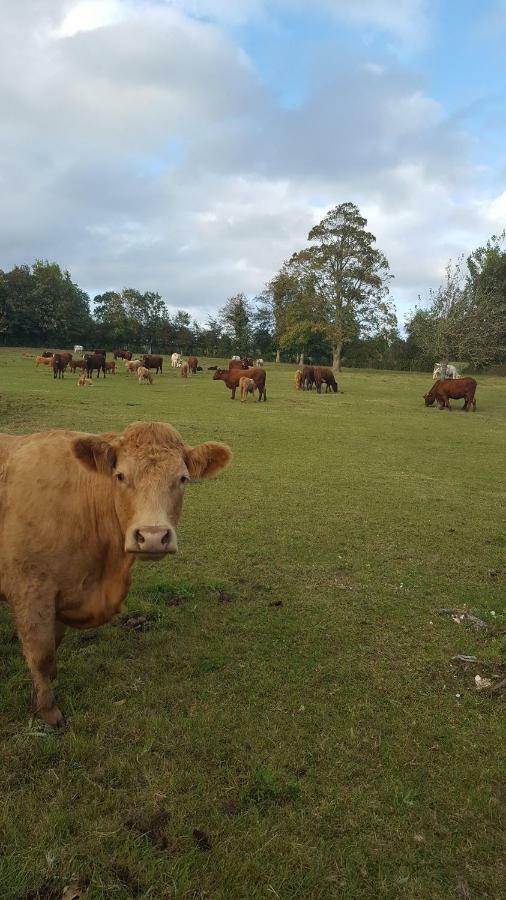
138,146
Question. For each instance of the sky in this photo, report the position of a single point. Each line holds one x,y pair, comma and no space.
189,146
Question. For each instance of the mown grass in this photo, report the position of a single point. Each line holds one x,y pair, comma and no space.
291,723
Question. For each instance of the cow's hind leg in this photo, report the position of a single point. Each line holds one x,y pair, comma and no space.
40,635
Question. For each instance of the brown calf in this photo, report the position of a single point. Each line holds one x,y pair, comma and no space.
144,375
110,367
298,381
184,370
246,386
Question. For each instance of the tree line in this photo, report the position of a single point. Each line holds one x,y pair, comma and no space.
330,302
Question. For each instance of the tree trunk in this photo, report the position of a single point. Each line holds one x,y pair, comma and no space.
336,356
278,356
301,359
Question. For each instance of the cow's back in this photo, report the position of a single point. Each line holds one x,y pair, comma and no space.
56,517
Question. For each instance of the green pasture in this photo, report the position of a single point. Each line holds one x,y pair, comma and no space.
289,721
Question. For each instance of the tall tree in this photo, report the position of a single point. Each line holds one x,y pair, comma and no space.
236,319
347,276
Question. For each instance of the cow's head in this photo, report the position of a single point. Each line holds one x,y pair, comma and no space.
218,374
429,398
149,466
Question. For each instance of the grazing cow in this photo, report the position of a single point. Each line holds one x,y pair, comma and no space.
144,375
153,362
192,364
83,381
77,364
184,370
212,368
259,363
175,360
58,365
199,369
95,361
324,375
122,354
231,377
239,364
308,378
246,386
110,367
120,497
78,348
455,389
298,380
43,361
132,365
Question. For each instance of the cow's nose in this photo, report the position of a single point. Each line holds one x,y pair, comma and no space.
152,539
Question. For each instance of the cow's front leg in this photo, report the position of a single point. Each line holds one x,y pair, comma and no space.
40,634
233,393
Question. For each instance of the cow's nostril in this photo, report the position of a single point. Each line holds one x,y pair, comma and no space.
167,536
139,537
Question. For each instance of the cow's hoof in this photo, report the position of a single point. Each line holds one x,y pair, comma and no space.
52,716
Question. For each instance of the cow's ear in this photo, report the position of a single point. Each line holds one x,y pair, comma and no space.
95,454
207,459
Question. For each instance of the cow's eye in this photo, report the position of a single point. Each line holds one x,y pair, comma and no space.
184,479
119,476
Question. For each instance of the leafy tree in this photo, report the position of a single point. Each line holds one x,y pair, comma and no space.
343,279
462,321
236,320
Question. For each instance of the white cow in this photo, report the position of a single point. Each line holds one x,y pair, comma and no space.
176,360
451,371
236,357
78,348
260,363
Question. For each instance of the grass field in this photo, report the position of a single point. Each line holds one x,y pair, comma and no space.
291,723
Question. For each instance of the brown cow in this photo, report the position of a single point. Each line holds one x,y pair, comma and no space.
231,377
153,362
246,386
192,364
120,497
132,365
48,354
308,378
66,358
454,388
43,361
240,363
298,380
324,375
110,367
95,361
184,370
77,364
122,354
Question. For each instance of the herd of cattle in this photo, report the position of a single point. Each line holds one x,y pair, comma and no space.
242,373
